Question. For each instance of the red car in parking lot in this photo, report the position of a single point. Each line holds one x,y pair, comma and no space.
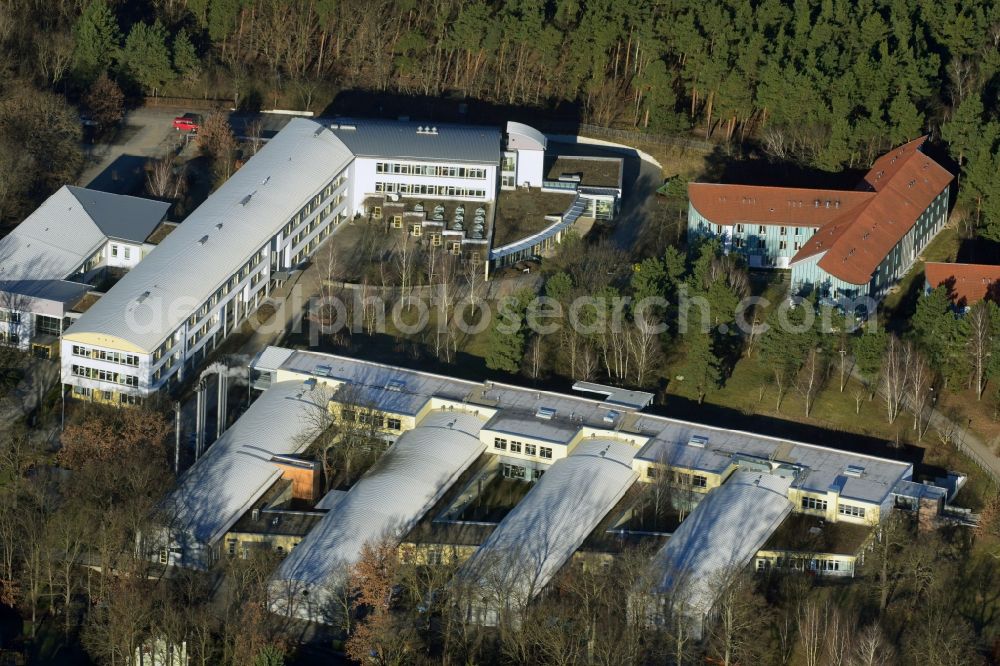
189,122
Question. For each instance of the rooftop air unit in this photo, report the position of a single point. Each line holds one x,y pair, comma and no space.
854,471
698,441
396,385
545,413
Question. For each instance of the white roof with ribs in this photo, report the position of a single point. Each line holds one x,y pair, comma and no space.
220,236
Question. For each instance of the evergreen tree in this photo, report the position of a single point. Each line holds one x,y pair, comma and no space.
703,368
186,60
940,334
964,130
868,350
507,334
146,57
97,39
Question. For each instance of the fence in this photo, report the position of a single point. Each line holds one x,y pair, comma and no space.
635,136
189,102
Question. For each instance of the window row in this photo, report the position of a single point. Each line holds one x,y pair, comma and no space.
430,190
372,418
440,171
813,504
500,444
105,375
680,478
851,510
520,472
799,564
110,356
126,251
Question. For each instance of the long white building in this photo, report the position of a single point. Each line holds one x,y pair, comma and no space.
163,318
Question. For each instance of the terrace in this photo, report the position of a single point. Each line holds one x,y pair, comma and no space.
808,534
521,213
593,171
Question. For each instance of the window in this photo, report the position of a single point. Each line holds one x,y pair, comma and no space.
530,450
798,231
436,240
128,252
762,229
393,424
455,247
813,504
348,415
397,221
739,228
651,472
114,250
415,230
164,556
377,212
537,474
851,510
499,443
783,230
699,481
782,245
515,447
513,471
545,452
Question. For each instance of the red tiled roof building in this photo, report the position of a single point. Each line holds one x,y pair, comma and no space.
842,243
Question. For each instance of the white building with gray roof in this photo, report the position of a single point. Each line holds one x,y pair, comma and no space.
50,260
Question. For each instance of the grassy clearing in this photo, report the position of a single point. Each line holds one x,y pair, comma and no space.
900,303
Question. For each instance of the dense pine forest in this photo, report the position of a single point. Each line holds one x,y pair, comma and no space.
826,84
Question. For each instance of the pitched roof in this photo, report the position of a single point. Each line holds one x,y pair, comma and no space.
906,182
857,228
69,227
788,206
967,283
119,216
219,236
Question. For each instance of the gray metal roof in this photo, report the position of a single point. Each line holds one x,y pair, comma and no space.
543,531
617,395
719,537
237,469
571,215
121,217
385,503
820,467
524,137
399,139
182,272
52,242
814,467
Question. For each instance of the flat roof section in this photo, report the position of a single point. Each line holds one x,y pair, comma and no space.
385,503
437,142
720,536
237,470
593,171
823,468
543,531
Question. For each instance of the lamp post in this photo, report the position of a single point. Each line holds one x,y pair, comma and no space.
843,356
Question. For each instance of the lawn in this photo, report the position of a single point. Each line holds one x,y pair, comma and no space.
899,304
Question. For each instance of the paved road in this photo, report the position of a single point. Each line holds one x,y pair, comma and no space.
148,132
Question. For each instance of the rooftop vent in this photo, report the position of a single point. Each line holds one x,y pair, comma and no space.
322,370
611,416
319,130
545,413
698,441
265,181
854,471
142,297
219,226
203,240
245,200
396,385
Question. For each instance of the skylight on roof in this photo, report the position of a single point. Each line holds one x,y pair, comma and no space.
545,413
